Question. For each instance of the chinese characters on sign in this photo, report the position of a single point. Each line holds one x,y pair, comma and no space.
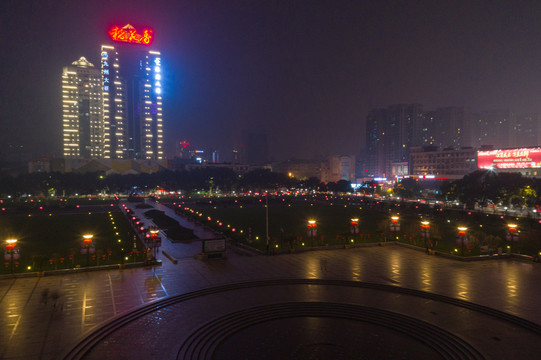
105,70
509,159
130,35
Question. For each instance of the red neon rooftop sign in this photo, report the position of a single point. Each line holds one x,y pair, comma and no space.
130,35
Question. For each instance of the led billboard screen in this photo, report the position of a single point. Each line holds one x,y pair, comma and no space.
509,159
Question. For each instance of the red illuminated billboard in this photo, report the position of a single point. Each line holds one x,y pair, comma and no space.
509,159
130,35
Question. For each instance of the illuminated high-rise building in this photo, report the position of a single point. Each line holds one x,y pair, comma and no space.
115,101
82,124
115,112
132,96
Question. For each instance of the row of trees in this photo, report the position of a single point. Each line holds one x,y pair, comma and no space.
486,187
65,184
482,187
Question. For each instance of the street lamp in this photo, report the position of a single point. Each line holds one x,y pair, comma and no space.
395,224
425,233
12,250
512,234
354,227
87,241
154,241
462,237
312,230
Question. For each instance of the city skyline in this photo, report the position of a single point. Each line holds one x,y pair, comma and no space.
294,71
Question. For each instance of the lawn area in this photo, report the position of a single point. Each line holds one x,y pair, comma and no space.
53,241
55,203
244,220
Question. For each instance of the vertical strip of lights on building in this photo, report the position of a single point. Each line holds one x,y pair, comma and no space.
153,127
70,120
114,105
106,78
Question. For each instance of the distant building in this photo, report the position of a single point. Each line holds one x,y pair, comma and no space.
493,127
429,160
390,133
400,168
42,165
254,148
82,112
215,157
340,167
299,169
525,132
183,149
449,127
237,168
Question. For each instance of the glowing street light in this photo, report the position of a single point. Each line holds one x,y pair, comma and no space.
87,241
395,224
462,237
425,234
512,234
312,230
13,250
354,222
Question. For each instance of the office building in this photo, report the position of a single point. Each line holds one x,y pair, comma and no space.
390,133
115,112
132,103
82,120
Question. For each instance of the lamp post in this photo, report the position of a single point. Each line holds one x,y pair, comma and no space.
512,235
395,224
267,220
154,240
425,233
11,247
462,235
312,230
354,226
87,240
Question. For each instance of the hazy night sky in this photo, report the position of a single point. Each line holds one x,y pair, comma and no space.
306,72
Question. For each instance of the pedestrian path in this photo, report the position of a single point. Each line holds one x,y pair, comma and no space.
179,251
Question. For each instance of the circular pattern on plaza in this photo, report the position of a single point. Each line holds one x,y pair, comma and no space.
308,319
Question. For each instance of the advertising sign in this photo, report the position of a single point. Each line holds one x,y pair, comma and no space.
509,159
130,35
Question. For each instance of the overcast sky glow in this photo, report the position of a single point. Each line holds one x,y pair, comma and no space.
306,72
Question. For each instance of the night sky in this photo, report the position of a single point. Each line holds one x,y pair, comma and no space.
304,72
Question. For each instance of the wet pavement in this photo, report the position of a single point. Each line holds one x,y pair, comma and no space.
311,296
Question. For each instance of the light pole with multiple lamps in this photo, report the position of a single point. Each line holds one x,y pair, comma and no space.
12,250
312,229
395,225
87,241
354,222
512,235
462,237
425,233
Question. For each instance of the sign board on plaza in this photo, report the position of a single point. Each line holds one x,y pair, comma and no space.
216,245
522,158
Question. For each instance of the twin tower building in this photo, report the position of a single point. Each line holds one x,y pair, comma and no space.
114,110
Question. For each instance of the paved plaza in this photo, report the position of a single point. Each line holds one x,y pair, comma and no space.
374,302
